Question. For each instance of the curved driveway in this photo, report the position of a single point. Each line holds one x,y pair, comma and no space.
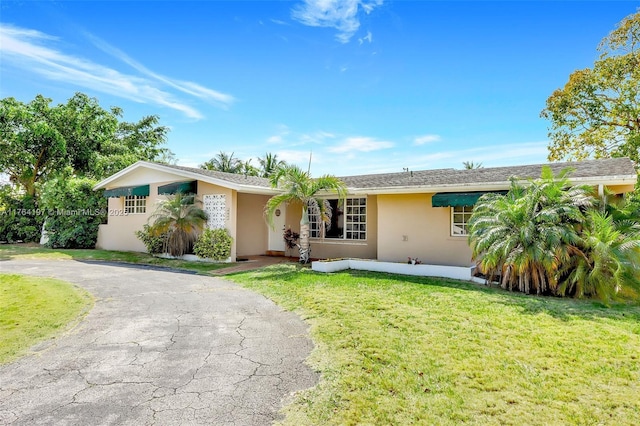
159,347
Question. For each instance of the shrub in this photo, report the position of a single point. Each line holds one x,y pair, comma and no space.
214,244
180,218
74,212
21,218
153,241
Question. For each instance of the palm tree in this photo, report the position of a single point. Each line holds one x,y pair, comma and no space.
223,162
470,165
527,235
248,169
181,220
269,164
608,258
298,186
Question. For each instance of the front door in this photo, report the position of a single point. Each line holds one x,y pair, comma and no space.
276,240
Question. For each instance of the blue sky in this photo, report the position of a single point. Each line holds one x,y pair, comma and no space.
367,86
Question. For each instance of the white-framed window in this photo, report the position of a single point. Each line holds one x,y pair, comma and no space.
348,220
459,218
135,204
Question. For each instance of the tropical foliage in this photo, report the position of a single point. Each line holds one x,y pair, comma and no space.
74,211
153,241
180,218
223,162
39,141
214,244
269,164
21,217
550,238
597,112
297,186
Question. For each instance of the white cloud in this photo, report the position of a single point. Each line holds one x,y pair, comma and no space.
360,144
489,156
28,50
339,14
425,139
368,37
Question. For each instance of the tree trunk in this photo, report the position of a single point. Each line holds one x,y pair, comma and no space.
305,246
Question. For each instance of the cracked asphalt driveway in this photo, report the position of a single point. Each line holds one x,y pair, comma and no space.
159,347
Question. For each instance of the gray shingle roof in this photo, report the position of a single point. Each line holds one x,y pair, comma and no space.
239,179
613,167
603,168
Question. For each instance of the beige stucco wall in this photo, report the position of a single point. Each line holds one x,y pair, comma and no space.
252,233
331,248
119,231
232,207
410,227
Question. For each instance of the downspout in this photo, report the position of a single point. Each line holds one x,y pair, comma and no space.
602,196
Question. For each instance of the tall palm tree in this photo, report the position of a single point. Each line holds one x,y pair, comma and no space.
269,164
298,186
527,235
181,219
223,162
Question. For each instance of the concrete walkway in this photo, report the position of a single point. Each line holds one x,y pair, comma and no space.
158,348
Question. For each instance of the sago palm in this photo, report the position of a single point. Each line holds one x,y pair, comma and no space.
181,219
297,186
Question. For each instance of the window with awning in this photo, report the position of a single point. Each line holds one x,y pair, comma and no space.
459,199
189,187
126,191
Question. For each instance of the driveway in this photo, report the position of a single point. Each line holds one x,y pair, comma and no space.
159,347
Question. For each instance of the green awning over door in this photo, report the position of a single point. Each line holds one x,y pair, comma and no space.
125,191
456,199
178,187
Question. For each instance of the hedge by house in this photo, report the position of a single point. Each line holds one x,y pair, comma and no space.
74,212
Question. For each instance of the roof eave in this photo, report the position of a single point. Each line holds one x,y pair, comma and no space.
250,189
489,186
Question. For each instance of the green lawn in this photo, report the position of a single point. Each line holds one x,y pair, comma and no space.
34,309
404,350
33,251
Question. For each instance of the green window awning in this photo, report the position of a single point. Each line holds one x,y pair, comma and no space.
125,191
456,199
178,187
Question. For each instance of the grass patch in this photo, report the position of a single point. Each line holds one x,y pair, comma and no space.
31,251
413,350
34,309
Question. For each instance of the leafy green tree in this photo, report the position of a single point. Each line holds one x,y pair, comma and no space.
597,113
39,141
297,186
31,147
21,218
223,162
74,211
269,164
527,235
180,219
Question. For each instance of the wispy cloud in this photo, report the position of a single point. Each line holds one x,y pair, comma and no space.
360,144
425,139
368,37
339,14
490,156
34,51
